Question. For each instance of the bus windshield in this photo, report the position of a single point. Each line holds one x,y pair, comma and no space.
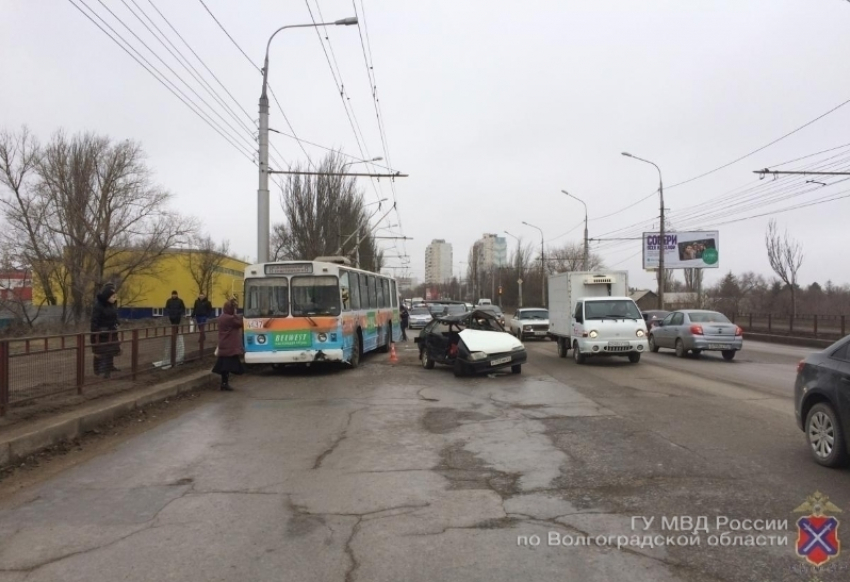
267,297
315,296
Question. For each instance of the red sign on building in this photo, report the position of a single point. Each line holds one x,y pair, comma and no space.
15,285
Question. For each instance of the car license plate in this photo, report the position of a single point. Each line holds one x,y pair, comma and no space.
619,344
500,361
539,333
719,347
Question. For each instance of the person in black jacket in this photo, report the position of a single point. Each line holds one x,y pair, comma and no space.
104,326
175,308
202,310
405,321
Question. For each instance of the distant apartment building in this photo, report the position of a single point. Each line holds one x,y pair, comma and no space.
490,251
438,262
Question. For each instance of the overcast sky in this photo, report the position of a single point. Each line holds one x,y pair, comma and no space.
492,107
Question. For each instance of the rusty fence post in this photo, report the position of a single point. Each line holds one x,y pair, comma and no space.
816,325
843,330
769,323
4,377
791,324
134,353
750,326
81,362
174,330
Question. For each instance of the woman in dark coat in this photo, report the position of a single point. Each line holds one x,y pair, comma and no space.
230,348
104,326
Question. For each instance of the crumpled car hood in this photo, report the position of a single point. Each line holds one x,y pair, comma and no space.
489,342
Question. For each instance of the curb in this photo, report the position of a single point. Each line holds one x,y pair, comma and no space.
16,448
790,340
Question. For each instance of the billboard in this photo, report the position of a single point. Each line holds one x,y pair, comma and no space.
683,250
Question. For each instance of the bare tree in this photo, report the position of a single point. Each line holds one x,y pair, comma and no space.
324,214
86,211
570,257
205,259
785,256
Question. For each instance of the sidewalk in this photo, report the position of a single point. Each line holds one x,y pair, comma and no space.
20,440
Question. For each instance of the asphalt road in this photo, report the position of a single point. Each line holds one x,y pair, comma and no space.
392,472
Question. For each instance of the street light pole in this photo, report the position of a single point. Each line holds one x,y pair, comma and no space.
542,266
518,270
586,261
662,242
263,226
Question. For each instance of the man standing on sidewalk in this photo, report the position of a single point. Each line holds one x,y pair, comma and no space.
175,308
201,311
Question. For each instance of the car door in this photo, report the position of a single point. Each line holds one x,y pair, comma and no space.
578,320
676,329
834,378
660,333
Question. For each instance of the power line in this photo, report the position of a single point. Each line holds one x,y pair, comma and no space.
745,156
150,68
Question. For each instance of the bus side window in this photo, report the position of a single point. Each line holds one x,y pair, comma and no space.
345,290
379,288
364,291
385,283
373,296
354,279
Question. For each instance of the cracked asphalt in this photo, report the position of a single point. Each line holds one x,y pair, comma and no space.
392,472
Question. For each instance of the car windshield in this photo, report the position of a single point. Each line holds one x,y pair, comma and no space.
315,296
436,307
611,309
483,323
455,308
420,311
267,297
533,314
708,317
491,308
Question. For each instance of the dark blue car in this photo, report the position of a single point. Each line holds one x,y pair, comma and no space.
822,403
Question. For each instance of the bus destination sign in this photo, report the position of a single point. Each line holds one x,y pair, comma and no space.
290,269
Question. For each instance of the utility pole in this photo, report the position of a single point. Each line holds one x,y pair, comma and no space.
542,266
586,259
662,234
518,270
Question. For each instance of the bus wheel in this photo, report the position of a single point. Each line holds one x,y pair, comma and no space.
389,337
356,350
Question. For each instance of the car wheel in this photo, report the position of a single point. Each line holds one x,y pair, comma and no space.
680,349
356,351
427,362
825,436
562,348
728,355
458,369
652,347
516,369
634,357
577,355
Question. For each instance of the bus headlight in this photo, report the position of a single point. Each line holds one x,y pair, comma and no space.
593,333
322,337
261,339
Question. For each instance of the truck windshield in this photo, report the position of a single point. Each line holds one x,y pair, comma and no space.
267,297
611,309
315,296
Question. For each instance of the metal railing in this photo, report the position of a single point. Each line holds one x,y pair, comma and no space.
817,326
35,367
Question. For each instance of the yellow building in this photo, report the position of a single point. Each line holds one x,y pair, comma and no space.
144,294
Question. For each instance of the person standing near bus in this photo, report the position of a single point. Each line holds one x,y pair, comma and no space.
201,310
229,351
405,320
175,308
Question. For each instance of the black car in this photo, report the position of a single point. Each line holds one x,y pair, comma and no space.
471,343
822,403
653,316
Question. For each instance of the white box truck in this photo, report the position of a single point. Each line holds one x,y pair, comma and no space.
591,314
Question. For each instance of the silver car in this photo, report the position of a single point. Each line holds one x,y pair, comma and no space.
419,317
696,331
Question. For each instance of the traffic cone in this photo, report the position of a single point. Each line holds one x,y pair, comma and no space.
393,355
